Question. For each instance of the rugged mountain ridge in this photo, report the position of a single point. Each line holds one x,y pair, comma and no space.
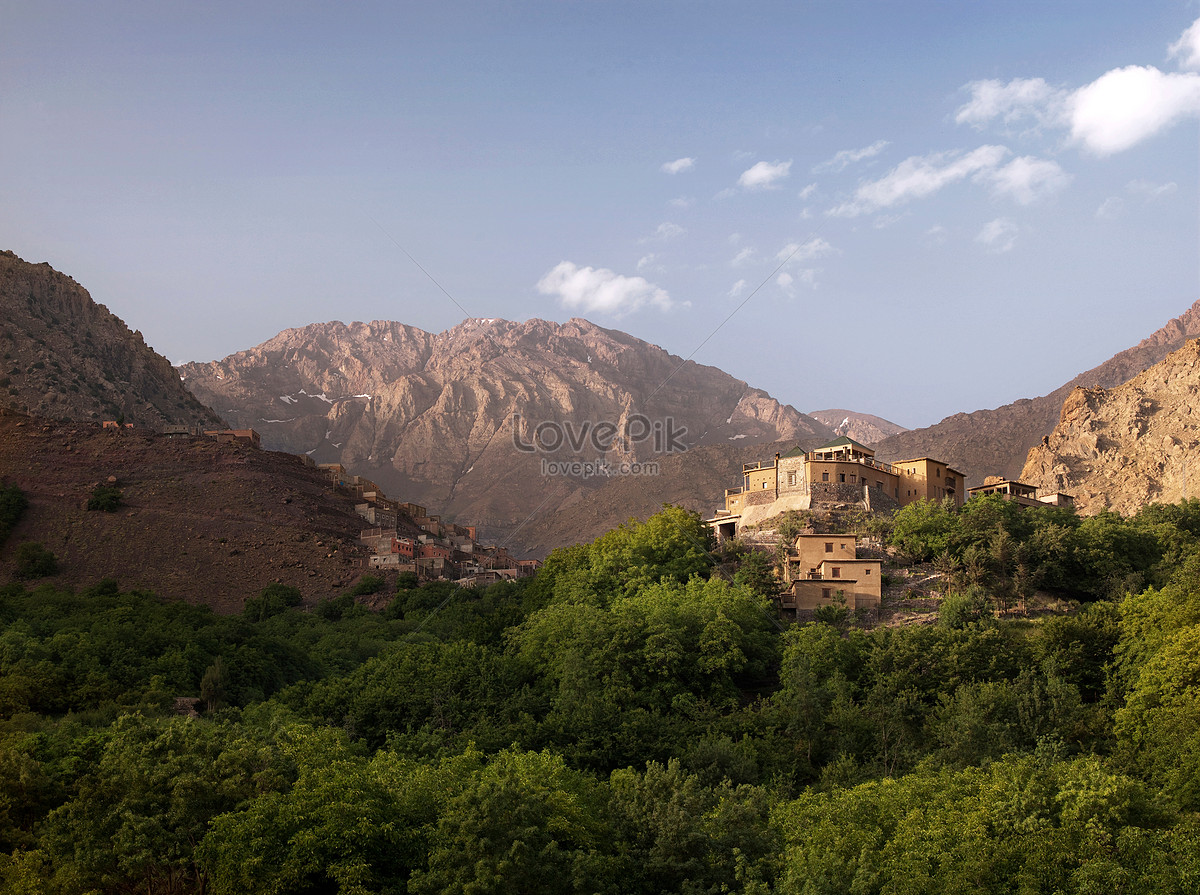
68,358
865,428
1121,448
437,419
996,442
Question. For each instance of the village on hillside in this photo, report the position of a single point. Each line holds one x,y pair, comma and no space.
823,568
404,537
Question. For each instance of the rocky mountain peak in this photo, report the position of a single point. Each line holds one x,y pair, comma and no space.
1122,447
66,357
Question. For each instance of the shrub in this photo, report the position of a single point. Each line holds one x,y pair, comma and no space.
35,561
105,498
12,505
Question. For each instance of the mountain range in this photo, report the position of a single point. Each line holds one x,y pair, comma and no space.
482,423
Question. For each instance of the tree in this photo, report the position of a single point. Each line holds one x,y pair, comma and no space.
527,824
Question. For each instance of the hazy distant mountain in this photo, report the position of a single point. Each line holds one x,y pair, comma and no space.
996,442
66,357
865,428
1124,447
431,417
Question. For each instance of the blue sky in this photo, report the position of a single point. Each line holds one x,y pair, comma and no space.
971,203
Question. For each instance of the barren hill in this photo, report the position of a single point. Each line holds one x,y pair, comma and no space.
1124,447
996,442
443,419
66,357
206,522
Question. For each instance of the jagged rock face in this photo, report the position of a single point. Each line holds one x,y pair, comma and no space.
997,441
67,358
431,418
865,428
1124,447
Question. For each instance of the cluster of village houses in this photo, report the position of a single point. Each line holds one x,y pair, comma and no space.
821,569
404,537
817,569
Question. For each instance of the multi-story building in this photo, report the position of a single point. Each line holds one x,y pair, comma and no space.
823,569
840,472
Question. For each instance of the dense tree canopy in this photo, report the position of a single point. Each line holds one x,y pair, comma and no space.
632,720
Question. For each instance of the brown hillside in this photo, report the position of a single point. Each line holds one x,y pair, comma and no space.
200,521
989,442
66,357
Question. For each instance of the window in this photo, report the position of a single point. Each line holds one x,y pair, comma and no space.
867,571
824,477
826,593
837,572
828,547
791,479
841,476
764,486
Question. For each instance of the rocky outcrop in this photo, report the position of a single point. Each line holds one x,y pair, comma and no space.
1121,448
67,358
447,419
865,428
997,441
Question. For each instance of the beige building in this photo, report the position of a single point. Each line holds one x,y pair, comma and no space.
823,570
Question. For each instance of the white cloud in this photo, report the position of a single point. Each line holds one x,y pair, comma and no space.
737,289
682,202
998,236
1020,98
743,257
807,192
816,247
785,281
847,157
679,166
1027,179
726,193
645,261
666,230
935,235
764,175
919,176
1127,105
591,289
1187,48
1150,191
1110,209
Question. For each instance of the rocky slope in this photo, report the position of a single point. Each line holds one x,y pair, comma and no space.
201,521
865,428
68,358
442,419
997,441
1124,447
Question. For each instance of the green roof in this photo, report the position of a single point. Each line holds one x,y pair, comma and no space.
797,451
844,440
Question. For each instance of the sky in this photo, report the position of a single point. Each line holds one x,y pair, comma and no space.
908,209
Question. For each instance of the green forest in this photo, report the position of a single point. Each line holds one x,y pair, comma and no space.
636,718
